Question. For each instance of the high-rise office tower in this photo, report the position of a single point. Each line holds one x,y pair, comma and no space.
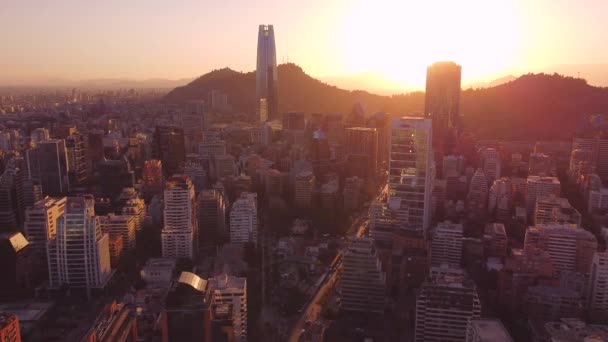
597,293
123,225
442,105
491,164
180,230
477,198
410,174
12,210
77,158
195,170
115,175
48,163
79,256
41,224
169,147
446,246
231,290
495,240
211,217
363,141
363,283
570,248
444,306
194,125
295,121
304,186
581,164
267,76
244,219
501,199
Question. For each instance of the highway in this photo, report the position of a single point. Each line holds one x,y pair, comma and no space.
311,309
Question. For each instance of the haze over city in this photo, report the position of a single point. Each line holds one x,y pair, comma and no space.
365,44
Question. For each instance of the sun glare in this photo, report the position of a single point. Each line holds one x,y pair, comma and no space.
398,39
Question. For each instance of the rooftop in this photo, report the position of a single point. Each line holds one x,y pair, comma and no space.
490,330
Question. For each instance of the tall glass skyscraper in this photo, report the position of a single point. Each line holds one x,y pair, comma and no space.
442,105
267,77
411,172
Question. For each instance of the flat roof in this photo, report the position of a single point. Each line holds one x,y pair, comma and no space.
491,330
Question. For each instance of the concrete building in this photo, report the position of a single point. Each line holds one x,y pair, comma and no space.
487,330
363,282
123,225
570,248
180,229
352,193
495,240
490,160
212,148
410,174
169,146
224,166
304,185
540,164
552,209
572,329
159,271
329,195
597,293
537,186
41,224
501,199
194,169
446,245
598,201
79,255
438,322
231,290
136,208
477,197
244,219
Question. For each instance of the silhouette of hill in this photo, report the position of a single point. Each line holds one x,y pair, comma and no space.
533,106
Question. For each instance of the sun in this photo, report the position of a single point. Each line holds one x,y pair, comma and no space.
399,38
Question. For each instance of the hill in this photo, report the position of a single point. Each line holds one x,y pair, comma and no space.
533,106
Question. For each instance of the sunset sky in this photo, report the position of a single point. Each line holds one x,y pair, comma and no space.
139,39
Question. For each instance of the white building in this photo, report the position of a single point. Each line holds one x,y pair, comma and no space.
159,271
123,225
411,170
41,223
477,197
230,290
446,246
179,233
79,256
244,219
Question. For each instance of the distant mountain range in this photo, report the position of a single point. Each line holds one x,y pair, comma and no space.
102,83
532,106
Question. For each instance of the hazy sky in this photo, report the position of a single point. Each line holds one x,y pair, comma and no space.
83,39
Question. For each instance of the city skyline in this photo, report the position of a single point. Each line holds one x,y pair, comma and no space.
133,41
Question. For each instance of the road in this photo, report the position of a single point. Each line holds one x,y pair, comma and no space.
311,309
